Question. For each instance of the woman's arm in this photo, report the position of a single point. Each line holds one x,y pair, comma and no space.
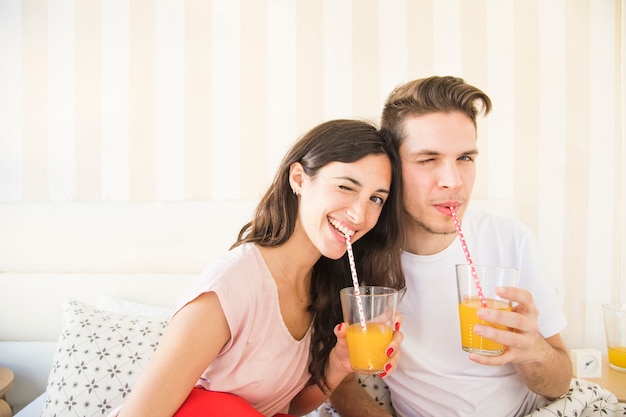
191,342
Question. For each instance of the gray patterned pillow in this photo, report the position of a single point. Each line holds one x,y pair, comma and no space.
99,357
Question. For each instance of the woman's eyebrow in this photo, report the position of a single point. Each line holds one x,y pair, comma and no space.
358,183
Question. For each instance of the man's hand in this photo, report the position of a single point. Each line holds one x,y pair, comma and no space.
544,363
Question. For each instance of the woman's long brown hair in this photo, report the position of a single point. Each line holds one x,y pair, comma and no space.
377,254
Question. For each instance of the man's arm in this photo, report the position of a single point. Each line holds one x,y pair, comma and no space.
551,376
351,400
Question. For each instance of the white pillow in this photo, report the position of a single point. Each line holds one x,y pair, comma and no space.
99,357
121,305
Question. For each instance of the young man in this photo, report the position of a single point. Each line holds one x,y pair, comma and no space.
433,123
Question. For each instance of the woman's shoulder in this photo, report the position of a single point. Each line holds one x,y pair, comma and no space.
239,271
243,261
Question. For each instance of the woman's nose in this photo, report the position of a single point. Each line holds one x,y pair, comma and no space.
355,211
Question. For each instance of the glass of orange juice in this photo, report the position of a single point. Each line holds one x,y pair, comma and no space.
370,318
471,300
615,327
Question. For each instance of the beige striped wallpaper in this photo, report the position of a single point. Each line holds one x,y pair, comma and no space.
171,100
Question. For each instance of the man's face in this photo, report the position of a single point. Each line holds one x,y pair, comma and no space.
438,170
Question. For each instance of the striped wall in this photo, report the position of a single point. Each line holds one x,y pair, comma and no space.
172,100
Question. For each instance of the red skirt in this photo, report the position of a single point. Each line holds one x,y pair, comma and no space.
203,403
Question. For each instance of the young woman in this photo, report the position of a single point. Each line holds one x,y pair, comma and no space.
261,332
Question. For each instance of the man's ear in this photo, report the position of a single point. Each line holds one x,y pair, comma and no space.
296,177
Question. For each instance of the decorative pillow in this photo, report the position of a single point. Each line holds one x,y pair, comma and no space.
99,357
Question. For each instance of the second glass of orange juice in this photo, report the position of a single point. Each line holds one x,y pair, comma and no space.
478,291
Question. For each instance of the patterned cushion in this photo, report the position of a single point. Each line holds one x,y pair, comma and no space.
584,399
99,356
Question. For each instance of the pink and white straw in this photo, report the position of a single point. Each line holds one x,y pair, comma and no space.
355,282
468,257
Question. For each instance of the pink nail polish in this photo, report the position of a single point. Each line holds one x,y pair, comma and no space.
389,352
397,326
382,374
387,367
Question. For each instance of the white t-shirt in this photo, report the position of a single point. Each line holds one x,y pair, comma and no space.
434,376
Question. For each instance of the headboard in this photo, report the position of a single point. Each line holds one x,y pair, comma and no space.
142,251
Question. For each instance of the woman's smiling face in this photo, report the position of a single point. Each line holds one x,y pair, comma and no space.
341,199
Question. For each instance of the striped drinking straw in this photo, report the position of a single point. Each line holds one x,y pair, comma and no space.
355,282
459,232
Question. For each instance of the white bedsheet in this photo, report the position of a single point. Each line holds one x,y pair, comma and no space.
33,409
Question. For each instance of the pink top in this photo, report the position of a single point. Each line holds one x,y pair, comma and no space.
262,363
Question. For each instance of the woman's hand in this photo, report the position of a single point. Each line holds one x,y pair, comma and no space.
393,350
341,356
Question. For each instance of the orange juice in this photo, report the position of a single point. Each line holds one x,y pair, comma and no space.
368,350
471,342
617,356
